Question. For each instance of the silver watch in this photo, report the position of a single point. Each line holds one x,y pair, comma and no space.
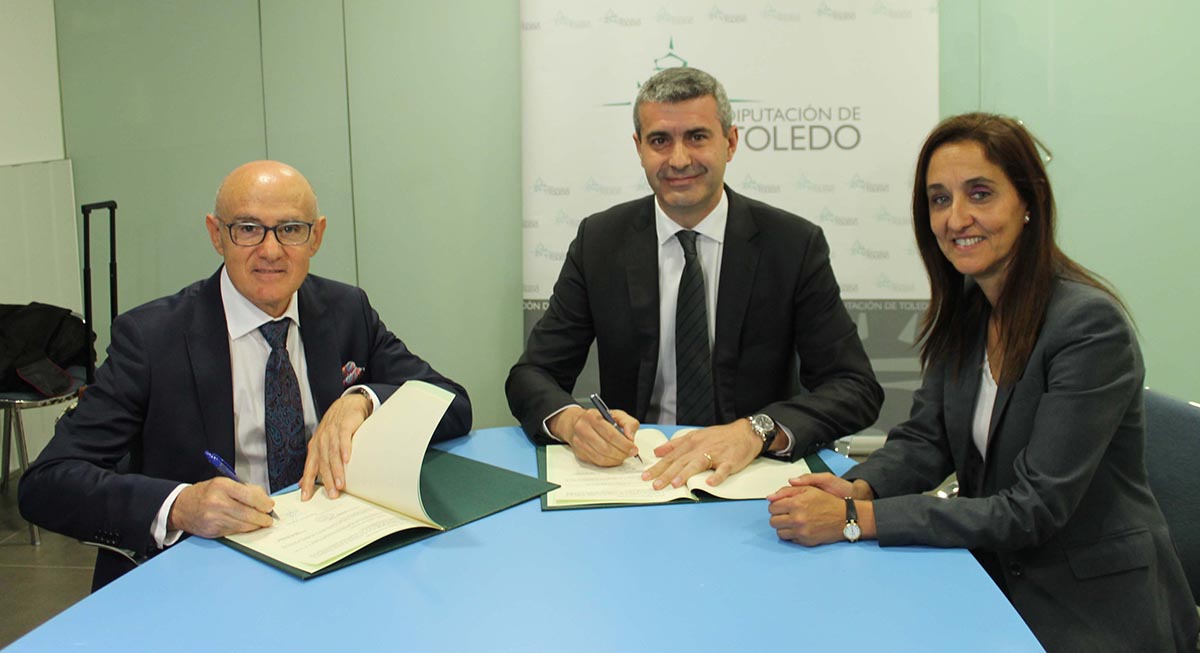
764,427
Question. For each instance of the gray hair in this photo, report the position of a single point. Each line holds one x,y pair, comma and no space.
679,85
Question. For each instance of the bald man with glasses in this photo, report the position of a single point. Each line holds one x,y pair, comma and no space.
269,367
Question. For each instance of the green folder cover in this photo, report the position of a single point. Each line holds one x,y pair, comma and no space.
815,464
455,491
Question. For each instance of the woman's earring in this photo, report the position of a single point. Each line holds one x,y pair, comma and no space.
1026,218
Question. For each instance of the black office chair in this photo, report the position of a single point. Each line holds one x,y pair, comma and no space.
1172,461
11,405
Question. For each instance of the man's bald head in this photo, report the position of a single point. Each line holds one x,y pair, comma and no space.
259,179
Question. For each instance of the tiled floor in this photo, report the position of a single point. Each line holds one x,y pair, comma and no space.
37,582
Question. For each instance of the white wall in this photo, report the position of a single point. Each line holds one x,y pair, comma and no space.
30,111
38,252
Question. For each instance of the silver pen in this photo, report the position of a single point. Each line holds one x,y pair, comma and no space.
607,415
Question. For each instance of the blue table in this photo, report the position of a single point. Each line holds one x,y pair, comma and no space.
677,577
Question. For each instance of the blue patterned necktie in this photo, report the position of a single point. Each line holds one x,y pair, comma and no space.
693,368
284,415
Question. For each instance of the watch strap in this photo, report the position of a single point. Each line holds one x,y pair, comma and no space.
851,531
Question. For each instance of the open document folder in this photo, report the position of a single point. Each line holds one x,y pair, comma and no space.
583,485
396,493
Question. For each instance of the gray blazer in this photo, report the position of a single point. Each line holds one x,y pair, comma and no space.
1060,513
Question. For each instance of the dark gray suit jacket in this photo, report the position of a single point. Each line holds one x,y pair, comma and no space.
777,299
1060,513
165,395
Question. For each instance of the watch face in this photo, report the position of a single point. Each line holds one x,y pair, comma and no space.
762,423
852,532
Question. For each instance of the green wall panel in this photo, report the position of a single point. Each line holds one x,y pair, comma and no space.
435,124
1113,89
307,120
160,101
958,57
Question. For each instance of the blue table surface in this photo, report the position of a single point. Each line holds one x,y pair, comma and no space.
709,576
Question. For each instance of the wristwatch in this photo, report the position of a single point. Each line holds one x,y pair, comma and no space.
764,427
851,531
362,390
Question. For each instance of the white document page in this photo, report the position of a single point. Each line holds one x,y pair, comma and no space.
388,449
584,483
313,534
385,469
760,478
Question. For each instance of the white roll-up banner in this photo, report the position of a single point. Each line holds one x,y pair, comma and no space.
832,100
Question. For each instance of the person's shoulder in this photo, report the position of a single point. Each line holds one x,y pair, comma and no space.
620,215
625,209
602,231
772,218
1072,296
175,305
330,296
330,287
1078,305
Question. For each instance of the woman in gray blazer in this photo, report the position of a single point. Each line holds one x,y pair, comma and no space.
1032,394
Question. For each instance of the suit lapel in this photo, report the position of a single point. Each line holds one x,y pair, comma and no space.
320,352
961,394
208,352
738,264
640,260
1003,394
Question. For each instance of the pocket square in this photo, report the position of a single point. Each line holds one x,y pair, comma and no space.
350,373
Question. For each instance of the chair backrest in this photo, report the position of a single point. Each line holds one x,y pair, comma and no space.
1173,466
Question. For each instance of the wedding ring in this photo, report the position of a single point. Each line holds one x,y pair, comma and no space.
709,459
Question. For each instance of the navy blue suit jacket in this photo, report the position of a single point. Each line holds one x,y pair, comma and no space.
165,394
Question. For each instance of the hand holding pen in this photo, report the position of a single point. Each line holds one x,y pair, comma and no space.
608,417
228,472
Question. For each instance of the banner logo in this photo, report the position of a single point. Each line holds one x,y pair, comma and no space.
540,186
612,18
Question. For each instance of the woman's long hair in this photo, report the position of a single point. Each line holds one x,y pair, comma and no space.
951,324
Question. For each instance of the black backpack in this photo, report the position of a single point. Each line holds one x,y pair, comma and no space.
37,343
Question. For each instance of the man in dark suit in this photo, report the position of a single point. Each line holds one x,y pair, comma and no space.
656,280
219,367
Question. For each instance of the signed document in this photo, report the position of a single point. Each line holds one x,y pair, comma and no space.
583,484
383,488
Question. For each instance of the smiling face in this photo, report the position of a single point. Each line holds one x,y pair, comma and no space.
975,213
684,153
268,193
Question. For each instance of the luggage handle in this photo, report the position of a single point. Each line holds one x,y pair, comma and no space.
111,205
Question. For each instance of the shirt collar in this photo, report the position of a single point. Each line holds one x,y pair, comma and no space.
712,226
242,316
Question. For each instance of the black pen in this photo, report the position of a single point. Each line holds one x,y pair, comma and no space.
227,472
604,412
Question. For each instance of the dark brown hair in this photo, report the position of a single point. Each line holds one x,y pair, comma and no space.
954,317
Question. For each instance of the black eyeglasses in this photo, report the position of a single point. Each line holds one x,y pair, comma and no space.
249,234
